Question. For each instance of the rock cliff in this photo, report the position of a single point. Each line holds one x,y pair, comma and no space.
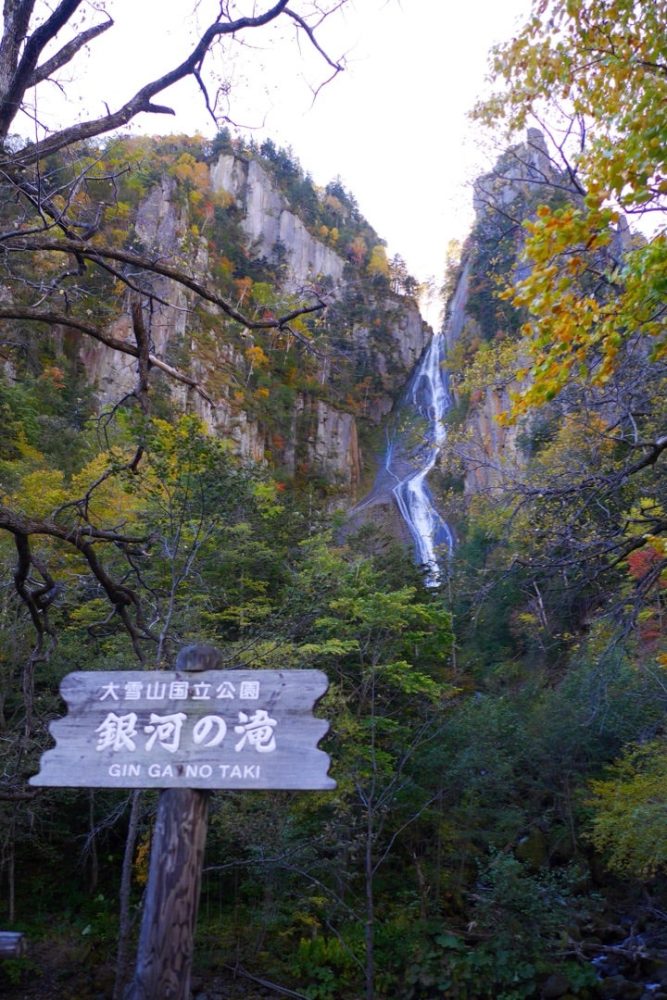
270,223
503,198
305,412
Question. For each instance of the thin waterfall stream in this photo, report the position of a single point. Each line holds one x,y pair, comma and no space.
413,444
428,397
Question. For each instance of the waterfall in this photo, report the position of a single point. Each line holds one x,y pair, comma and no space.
414,441
409,461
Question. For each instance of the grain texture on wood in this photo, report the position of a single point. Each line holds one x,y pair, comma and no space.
178,729
166,941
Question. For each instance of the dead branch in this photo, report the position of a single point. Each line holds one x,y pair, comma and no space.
142,101
52,318
155,265
82,537
67,53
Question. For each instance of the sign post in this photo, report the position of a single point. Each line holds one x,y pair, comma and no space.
166,939
187,732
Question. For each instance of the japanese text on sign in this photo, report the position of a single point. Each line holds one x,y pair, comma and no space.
121,732
206,729
178,691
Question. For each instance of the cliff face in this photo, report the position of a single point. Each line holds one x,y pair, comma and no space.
268,222
484,333
390,350
490,452
302,411
160,224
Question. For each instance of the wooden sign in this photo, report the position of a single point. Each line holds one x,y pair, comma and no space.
173,729
12,944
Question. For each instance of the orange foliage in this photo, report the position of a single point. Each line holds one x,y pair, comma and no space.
54,375
642,561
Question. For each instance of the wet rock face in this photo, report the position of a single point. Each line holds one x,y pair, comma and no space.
629,956
324,442
383,517
390,351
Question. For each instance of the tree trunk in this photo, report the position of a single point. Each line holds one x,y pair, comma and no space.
370,907
166,942
92,839
11,874
124,920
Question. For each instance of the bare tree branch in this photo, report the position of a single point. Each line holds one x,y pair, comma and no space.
123,346
156,266
142,101
67,53
12,95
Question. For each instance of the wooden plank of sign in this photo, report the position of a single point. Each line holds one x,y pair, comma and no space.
172,729
12,944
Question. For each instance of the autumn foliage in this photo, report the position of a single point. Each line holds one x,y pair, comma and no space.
597,69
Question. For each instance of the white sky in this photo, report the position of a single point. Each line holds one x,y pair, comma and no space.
393,126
